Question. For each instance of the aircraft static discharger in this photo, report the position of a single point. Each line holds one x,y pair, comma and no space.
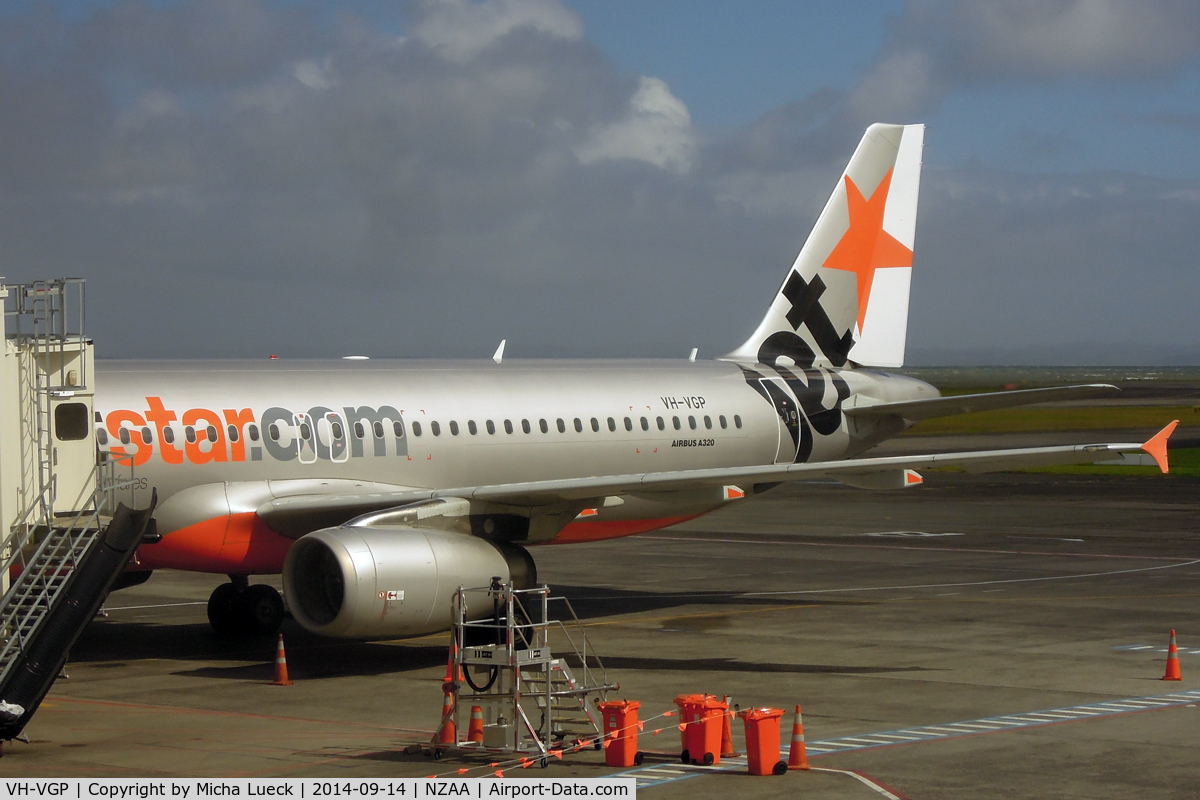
378,488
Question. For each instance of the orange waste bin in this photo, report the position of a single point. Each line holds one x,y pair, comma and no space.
704,734
762,740
687,705
621,732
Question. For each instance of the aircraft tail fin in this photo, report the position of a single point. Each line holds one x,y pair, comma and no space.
845,298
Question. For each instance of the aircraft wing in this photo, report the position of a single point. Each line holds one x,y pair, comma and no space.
916,410
290,515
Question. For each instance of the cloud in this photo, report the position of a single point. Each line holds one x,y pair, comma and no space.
460,30
938,46
657,130
312,185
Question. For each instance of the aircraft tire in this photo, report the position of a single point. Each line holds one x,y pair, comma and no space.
221,614
259,610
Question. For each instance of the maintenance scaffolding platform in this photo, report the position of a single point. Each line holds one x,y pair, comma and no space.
64,540
532,702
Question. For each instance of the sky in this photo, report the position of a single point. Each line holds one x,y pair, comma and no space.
595,178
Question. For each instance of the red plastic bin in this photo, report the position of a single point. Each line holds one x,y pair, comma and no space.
762,741
704,732
687,704
621,732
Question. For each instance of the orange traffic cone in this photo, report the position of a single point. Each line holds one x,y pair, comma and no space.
1172,662
281,676
798,757
447,733
727,750
475,732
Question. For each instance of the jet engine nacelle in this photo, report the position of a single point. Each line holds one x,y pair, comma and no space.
393,581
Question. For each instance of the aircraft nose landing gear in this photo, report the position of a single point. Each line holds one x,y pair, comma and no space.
239,609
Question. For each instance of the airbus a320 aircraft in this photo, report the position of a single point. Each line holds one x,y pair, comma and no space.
377,488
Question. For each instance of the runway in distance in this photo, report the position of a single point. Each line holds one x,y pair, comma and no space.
378,487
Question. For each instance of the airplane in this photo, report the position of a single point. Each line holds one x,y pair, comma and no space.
379,487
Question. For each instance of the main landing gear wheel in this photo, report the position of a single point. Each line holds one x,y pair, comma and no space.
238,609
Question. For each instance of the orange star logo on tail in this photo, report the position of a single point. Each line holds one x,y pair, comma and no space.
866,246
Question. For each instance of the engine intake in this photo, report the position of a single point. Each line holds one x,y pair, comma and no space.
393,581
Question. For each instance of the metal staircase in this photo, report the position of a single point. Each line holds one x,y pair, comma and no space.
573,713
42,581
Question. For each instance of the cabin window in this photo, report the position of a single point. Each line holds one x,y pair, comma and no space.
101,436
305,432
99,417
272,431
662,426
491,428
70,422
578,425
189,433
595,424
124,436
562,426
612,424
335,427
398,429
435,428
525,425
453,428
168,434
645,424
251,431
628,424
692,422
233,433
359,432
377,428
737,421
708,422
508,428
542,424
472,427
147,436
724,424
416,429
675,422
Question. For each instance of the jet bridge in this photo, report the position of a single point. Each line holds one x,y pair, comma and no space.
63,538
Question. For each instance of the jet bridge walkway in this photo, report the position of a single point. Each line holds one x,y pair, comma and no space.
64,540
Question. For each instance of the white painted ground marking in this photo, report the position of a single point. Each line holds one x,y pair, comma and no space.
157,605
1014,721
1042,579
862,779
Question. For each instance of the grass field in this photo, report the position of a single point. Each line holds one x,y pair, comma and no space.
1183,463
1032,420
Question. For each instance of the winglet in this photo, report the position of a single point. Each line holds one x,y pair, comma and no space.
499,354
1157,446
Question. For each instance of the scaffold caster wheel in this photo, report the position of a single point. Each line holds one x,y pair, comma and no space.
437,754
599,745
545,762
685,757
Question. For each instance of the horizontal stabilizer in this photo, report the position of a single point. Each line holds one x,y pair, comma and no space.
916,410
